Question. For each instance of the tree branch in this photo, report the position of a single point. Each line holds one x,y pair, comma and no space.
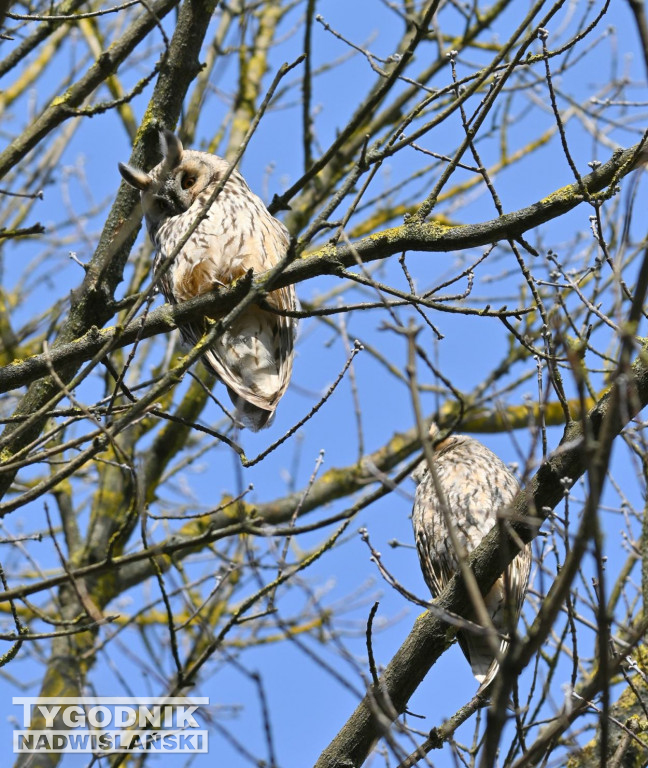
430,635
426,237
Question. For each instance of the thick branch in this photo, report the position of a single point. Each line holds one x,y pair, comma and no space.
430,635
427,237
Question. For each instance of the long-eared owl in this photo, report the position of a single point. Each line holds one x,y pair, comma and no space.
253,357
476,487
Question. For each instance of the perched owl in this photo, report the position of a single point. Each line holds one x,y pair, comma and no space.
253,357
476,486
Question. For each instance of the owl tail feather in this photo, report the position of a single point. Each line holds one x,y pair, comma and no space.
251,416
479,653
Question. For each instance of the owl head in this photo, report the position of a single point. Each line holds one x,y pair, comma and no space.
173,185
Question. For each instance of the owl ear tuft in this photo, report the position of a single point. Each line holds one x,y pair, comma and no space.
171,148
136,178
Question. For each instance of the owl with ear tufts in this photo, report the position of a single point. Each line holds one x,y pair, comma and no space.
469,489
253,357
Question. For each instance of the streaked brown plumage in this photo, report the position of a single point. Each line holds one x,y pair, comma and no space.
254,356
477,487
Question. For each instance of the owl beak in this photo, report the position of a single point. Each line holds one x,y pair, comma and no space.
169,203
136,178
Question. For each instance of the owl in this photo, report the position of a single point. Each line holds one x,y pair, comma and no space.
253,357
476,487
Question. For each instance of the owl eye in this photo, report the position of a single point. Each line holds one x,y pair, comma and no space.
187,181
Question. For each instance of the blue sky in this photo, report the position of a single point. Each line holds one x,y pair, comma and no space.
307,705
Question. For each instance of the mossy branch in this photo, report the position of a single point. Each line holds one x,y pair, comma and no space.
426,237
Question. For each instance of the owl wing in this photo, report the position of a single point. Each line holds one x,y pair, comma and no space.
436,576
508,590
254,356
438,561
284,299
